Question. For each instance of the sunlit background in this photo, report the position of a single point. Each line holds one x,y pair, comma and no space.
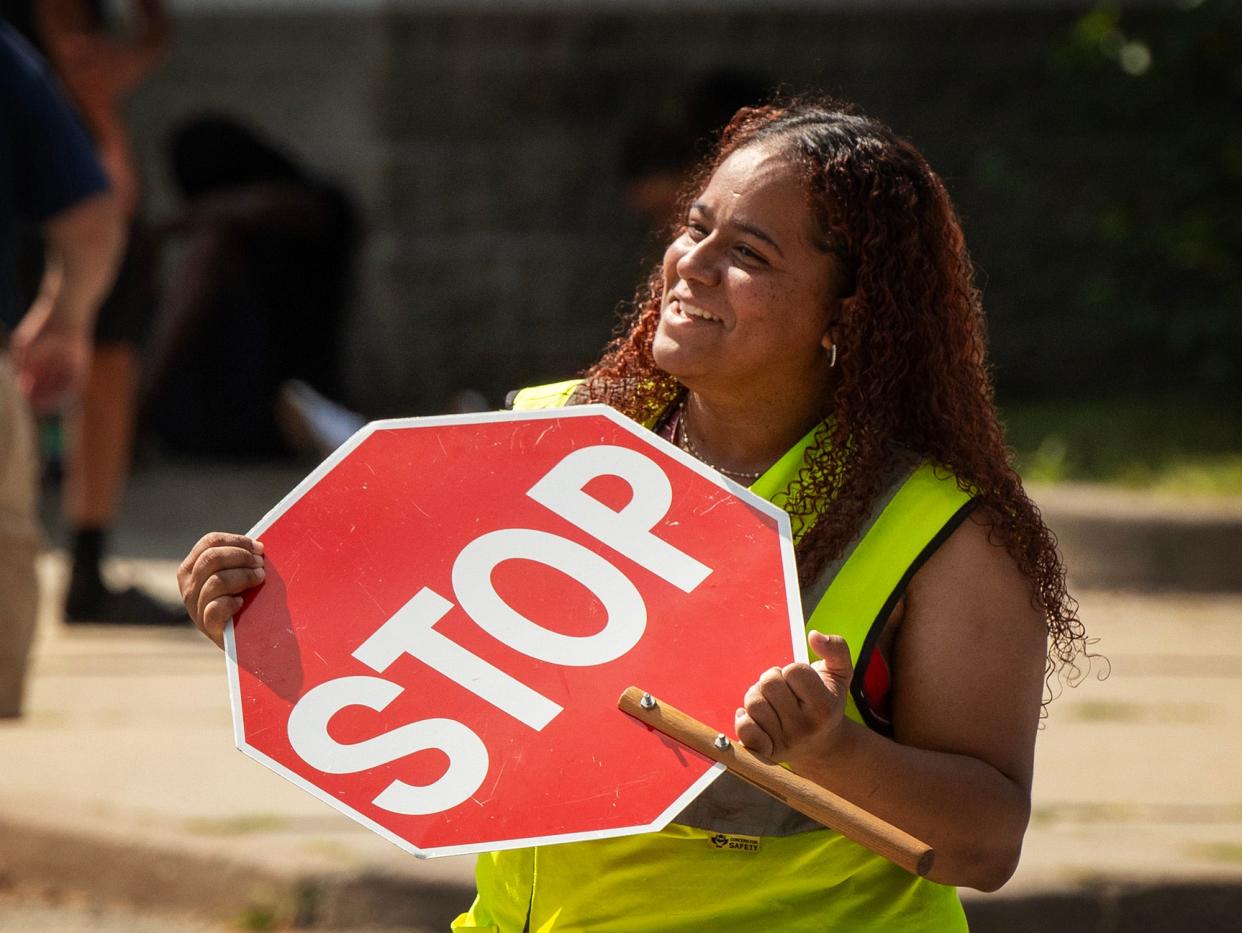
500,174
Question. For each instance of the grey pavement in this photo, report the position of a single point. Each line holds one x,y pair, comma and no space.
122,783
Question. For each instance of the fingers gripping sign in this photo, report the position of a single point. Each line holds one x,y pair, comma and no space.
213,577
792,713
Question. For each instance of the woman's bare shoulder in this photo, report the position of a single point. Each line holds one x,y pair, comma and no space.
970,653
974,570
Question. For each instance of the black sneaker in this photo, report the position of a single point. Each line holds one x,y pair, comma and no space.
130,606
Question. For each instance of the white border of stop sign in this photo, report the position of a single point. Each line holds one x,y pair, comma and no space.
410,630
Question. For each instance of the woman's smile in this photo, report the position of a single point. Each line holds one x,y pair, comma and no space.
681,310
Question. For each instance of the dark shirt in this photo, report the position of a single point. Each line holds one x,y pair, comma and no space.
47,160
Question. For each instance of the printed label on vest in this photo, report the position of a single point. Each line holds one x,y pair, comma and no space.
734,843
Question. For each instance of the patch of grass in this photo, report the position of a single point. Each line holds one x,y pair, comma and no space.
1084,876
1167,814
1105,711
237,825
257,917
1085,813
1230,852
1174,445
1113,711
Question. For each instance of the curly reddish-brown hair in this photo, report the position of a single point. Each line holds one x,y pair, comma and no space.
913,370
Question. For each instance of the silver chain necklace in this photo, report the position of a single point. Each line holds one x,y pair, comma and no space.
682,437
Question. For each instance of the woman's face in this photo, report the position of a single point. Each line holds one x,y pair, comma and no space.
748,295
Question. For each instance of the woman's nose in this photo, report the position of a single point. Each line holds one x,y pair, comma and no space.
699,263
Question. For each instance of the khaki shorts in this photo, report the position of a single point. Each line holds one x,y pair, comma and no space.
19,539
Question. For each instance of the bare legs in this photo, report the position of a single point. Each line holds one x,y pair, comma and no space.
101,437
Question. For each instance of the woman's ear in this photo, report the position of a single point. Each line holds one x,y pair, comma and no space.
829,343
832,335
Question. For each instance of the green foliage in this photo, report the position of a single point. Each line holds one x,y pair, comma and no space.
1162,218
1165,444
1117,188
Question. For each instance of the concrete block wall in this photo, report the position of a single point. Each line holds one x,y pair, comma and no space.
483,141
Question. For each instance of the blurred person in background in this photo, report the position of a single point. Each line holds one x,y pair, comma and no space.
50,177
258,296
102,52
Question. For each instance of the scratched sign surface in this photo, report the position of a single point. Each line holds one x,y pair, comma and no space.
453,605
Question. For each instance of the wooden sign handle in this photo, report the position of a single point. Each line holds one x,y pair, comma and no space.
794,791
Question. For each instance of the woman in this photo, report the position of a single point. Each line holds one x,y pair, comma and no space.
814,333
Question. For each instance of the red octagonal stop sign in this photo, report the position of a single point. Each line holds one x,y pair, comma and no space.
453,606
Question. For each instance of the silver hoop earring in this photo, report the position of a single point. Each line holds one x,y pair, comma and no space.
832,356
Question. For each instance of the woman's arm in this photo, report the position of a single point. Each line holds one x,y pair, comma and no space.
968,673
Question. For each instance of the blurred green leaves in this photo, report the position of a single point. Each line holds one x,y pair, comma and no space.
1171,444
1100,31
1122,176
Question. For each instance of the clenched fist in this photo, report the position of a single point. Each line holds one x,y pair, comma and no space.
793,713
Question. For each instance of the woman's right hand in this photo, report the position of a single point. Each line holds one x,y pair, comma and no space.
218,569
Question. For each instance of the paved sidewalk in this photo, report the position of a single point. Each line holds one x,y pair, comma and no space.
123,781
126,782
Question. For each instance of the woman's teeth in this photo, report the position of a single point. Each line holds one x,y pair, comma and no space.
697,312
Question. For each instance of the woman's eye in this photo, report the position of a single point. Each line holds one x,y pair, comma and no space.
749,254
695,231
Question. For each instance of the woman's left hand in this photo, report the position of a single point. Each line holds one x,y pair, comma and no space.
794,713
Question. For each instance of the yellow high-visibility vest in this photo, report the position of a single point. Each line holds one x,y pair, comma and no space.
736,859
